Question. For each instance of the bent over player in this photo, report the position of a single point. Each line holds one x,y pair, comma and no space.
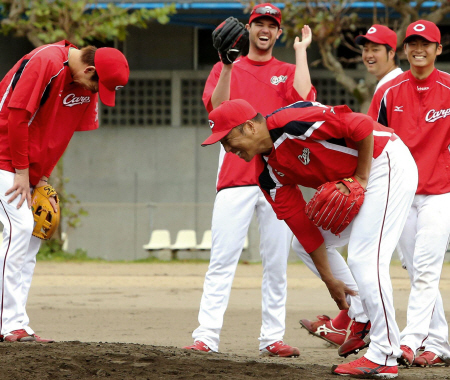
309,144
416,105
47,96
380,58
238,195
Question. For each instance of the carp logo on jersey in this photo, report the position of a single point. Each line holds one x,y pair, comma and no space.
304,157
277,80
433,115
73,100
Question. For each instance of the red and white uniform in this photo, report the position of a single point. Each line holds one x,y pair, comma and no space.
40,83
417,110
314,144
266,86
388,77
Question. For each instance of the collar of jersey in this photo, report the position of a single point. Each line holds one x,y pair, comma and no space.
424,82
259,63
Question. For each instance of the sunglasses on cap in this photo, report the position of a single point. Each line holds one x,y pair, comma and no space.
266,11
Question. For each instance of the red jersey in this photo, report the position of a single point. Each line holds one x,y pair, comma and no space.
417,110
42,84
313,144
267,86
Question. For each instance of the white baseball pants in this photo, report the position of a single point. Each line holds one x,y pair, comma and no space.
424,243
232,214
339,268
371,238
17,259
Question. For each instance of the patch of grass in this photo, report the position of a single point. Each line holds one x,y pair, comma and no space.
51,250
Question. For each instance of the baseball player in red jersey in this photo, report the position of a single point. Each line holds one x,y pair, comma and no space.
309,144
47,96
415,104
380,58
238,195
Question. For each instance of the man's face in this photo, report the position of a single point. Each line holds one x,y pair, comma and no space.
240,143
376,59
421,53
84,78
263,33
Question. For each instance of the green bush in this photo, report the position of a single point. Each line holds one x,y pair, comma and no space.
51,250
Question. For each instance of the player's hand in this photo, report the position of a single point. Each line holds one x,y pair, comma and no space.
52,201
21,187
342,188
338,291
44,182
306,38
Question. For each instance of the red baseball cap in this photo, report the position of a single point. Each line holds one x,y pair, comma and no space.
265,10
379,34
425,29
113,72
227,116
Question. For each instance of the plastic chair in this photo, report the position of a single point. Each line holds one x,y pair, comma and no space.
186,239
159,239
206,243
245,243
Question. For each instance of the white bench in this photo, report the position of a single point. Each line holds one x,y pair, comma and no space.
159,239
186,240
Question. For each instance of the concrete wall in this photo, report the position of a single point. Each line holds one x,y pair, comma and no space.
117,173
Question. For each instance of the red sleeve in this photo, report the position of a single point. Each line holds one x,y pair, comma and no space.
49,171
305,231
210,85
36,75
359,126
289,205
18,137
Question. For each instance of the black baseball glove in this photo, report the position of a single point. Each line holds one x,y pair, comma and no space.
230,39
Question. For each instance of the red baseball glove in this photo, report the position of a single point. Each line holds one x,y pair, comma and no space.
333,210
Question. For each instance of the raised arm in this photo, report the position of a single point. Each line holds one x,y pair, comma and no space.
222,90
302,78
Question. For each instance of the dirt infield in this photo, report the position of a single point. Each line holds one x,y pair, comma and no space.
129,321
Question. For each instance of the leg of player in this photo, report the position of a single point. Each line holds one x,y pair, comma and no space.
28,270
426,319
275,244
230,224
436,350
374,236
336,331
18,226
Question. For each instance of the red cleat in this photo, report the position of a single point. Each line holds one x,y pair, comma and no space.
407,357
280,349
366,369
312,326
198,346
357,340
430,359
19,336
331,334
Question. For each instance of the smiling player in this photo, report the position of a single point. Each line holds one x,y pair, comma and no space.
415,105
